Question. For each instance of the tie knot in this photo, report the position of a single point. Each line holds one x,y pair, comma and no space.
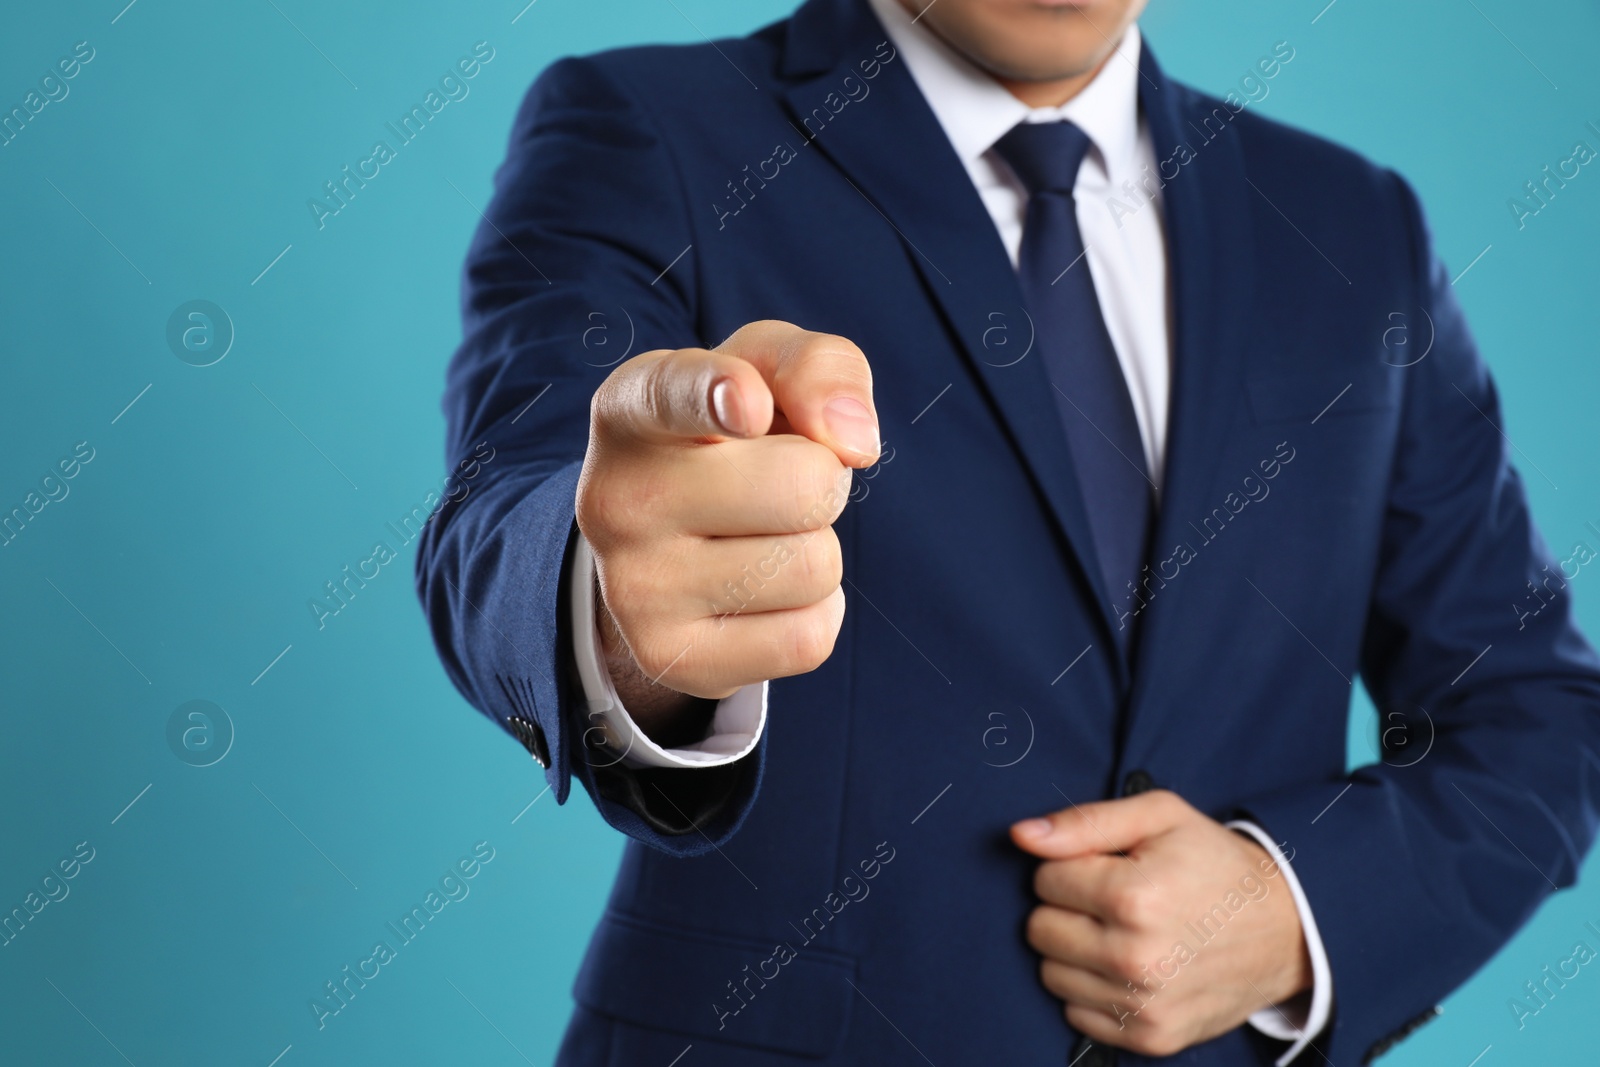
1045,155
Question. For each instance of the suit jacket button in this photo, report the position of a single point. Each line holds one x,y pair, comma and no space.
532,737
1137,782
1091,1054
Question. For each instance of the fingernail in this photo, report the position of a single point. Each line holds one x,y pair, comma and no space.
1033,828
852,425
727,406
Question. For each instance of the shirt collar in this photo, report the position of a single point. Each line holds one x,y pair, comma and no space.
976,111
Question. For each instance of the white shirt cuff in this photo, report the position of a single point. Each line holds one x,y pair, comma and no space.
736,724
1280,1021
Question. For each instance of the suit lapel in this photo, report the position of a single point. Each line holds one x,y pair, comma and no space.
1207,208
891,147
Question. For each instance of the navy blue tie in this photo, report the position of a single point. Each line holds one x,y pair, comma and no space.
1070,333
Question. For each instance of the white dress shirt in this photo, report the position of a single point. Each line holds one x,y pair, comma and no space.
1127,258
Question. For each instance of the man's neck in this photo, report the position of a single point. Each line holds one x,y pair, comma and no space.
1051,93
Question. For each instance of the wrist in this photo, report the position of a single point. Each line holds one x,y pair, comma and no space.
666,716
1288,972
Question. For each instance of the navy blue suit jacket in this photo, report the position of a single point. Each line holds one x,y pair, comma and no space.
848,893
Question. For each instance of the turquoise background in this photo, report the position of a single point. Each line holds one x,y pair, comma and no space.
181,562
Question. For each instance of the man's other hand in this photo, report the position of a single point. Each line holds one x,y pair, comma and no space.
1159,927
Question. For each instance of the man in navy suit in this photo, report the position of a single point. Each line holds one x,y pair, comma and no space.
1131,427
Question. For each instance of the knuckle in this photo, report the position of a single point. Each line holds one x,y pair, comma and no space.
1126,960
818,486
656,390
600,512
1133,906
823,560
654,655
615,402
826,359
1169,802
1157,1037
1050,976
1038,929
832,342
811,639
1043,882
627,591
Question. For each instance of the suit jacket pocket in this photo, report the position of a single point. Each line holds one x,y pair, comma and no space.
782,999
1306,396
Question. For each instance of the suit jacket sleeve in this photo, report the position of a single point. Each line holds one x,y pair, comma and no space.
568,274
1429,863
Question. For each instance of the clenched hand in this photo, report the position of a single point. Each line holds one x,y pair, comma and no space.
708,493
1159,927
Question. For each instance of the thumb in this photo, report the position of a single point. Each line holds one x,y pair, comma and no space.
688,394
1106,826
